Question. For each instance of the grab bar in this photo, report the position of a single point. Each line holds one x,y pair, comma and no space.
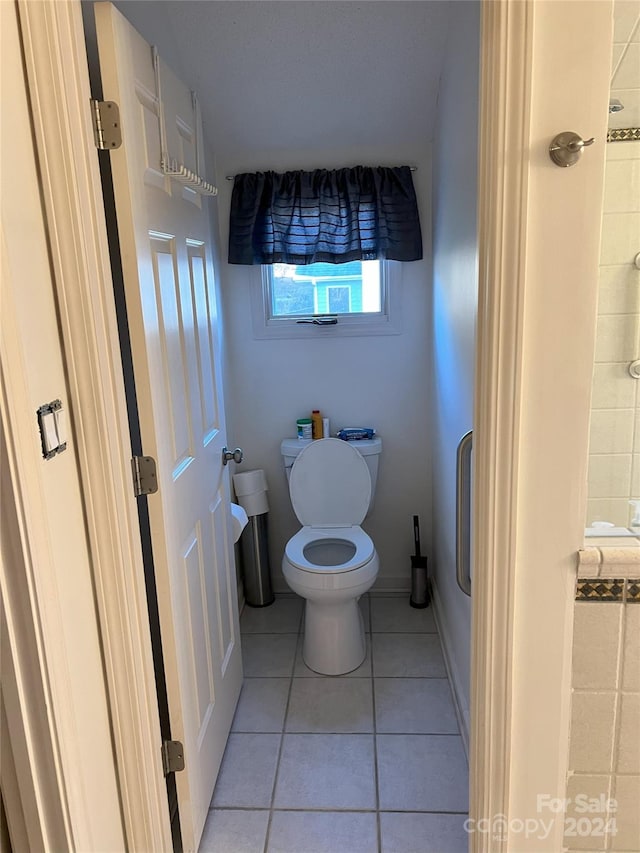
463,513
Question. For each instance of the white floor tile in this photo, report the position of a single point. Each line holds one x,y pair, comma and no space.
422,773
423,833
326,772
262,705
414,706
268,655
323,832
333,705
281,617
239,831
407,655
363,671
396,614
325,786
247,772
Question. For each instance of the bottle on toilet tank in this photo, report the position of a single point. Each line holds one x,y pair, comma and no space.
316,423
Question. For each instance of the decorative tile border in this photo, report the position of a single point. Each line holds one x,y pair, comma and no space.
619,590
590,589
623,134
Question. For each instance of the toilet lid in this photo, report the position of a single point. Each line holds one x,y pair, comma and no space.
330,484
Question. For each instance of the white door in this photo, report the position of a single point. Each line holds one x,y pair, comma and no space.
165,241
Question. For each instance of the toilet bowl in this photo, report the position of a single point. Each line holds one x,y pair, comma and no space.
331,561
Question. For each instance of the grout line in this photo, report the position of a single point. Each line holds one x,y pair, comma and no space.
603,773
363,677
400,633
634,437
284,722
412,677
376,774
349,675
620,773
333,809
353,734
432,633
617,712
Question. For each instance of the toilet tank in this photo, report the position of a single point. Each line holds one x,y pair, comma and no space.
369,448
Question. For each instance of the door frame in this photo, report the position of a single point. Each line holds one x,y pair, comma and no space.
507,766
533,393
58,79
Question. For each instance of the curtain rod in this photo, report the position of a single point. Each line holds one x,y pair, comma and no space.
232,177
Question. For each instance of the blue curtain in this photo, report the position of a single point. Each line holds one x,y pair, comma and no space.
363,213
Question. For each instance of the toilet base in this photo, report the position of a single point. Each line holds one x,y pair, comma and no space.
334,637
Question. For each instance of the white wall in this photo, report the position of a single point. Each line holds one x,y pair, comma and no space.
454,314
378,381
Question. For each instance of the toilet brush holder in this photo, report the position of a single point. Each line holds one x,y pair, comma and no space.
420,595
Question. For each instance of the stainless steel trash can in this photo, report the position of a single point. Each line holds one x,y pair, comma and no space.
254,548
251,492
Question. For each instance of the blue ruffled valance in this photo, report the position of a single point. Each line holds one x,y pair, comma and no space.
330,216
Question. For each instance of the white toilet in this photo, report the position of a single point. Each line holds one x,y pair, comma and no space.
331,561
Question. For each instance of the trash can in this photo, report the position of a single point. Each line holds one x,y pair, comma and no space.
251,493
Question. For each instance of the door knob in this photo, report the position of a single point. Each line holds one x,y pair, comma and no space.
566,148
231,455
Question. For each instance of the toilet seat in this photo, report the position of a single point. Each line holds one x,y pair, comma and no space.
294,550
330,485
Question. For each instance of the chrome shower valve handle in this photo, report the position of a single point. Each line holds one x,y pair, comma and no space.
566,148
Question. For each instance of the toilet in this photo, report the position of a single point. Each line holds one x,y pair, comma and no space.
331,561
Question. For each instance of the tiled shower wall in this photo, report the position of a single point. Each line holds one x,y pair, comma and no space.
604,754
614,461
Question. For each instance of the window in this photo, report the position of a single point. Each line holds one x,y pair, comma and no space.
316,289
361,295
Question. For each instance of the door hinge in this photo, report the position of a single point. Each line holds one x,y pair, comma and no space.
172,756
106,124
145,481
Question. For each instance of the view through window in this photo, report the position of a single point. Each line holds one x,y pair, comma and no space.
317,289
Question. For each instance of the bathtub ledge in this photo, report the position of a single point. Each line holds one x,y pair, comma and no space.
607,558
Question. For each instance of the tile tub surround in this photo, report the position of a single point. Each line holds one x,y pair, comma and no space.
368,762
614,452
604,750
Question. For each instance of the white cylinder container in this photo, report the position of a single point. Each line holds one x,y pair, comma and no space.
251,491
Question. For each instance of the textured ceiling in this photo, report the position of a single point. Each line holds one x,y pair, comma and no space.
304,74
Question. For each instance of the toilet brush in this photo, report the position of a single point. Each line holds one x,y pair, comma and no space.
420,596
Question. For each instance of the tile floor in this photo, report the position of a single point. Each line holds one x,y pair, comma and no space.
369,762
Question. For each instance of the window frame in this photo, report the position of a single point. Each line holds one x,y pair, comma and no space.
385,322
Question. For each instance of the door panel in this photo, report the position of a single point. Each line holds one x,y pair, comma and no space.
165,240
